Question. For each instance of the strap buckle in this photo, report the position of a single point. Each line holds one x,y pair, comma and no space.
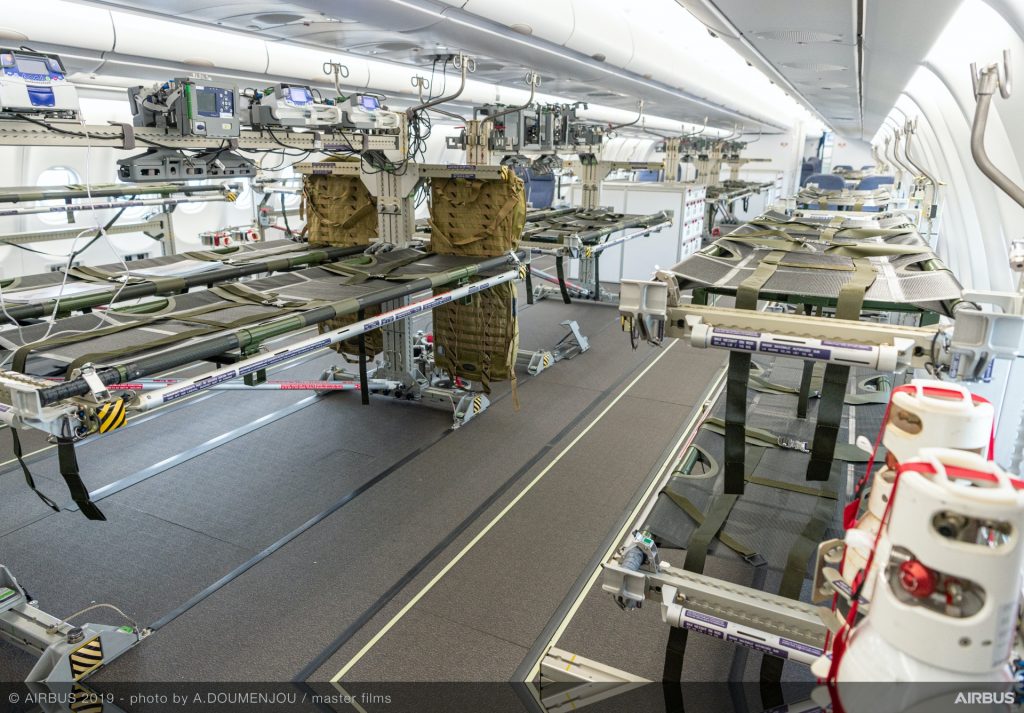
755,559
793,444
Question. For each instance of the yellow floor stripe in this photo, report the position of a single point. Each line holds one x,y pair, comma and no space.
497,518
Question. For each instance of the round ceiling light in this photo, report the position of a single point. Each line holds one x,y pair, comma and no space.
521,29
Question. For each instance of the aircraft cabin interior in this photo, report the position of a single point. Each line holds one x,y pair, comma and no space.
541,356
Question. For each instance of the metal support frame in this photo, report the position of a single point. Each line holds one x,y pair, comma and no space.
67,653
158,228
396,226
588,257
25,133
572,344
742,615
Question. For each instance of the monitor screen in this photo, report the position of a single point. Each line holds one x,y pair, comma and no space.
215,102
300,94
32,65
369,103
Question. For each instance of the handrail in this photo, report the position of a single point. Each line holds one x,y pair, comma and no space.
909,129
461,62
985,83
533,79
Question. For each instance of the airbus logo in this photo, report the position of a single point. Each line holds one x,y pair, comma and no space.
985,697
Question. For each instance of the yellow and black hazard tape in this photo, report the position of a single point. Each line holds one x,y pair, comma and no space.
478,404
112,415
86,658
85,701
522,271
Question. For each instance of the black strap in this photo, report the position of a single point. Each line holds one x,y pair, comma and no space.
736,421
16,447
560,271
364,385
529,284
69,471
597,277
826,432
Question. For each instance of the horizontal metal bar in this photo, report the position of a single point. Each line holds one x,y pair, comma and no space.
313,344
109,205
27,133
106,190
157,225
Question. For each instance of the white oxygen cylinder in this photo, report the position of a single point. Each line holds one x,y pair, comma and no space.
922,414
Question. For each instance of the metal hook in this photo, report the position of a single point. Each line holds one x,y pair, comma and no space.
421,83
990,77
463,59
340,71
985,83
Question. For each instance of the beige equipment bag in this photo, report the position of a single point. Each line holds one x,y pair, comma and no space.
340,211
478,339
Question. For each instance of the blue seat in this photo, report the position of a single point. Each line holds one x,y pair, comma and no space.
867,167
542,189
648,176
869,183
826,181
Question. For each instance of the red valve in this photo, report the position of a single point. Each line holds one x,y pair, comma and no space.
917,580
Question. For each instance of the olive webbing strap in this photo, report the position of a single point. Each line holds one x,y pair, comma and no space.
833,391
767,439
22,353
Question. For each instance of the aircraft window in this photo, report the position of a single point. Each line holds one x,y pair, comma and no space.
56,176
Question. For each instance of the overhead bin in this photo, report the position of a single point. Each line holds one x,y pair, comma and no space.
306,63
551,20
147,36
83,26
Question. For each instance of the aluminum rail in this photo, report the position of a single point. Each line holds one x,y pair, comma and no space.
253,335
173,284
29,193
654,220
111,205
186,387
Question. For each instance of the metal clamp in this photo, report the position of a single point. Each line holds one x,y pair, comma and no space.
97,388
793,444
